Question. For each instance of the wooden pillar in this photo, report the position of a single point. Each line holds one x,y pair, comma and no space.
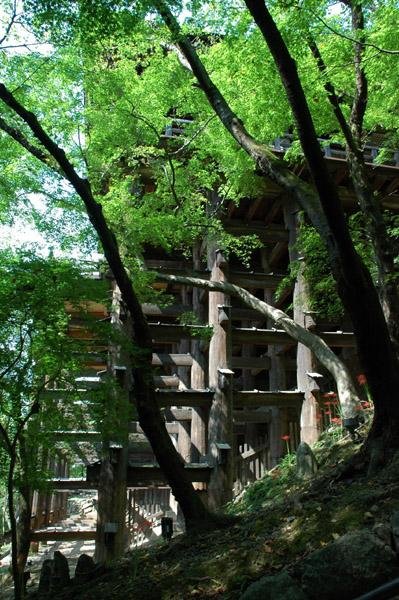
220,379
199,415
111,535
305,359
184,427
277,381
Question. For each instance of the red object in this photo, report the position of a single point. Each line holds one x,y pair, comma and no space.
361,378
327,412
336,420
366,404
285,437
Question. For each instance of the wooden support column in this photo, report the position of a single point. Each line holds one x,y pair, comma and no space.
305,358
200,416
184,437
220,379
111,533
277,381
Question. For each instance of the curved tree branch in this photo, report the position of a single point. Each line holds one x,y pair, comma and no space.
348,397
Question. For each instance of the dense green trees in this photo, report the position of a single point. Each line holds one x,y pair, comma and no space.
113,80
35,351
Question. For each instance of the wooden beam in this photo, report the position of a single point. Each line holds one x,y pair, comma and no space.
200,398
246,399
71,484
58,535
278,336
166,381
175,360
150,474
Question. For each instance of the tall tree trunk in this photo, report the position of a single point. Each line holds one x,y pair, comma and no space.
150,418
16,573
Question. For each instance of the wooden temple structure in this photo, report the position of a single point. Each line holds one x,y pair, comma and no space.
230,392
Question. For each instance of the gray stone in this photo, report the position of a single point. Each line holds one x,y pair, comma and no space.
274,587
306,463
45,576
60,577
85,568
348,567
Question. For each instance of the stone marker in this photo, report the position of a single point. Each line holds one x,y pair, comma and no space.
85,568
306,463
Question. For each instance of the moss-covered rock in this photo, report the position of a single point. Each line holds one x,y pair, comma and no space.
274,587
352,565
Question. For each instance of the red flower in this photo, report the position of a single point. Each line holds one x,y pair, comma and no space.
285,437
366,404
336,420
361,378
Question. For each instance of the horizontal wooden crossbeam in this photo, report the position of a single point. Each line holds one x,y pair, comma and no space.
196,398
48,535
246,399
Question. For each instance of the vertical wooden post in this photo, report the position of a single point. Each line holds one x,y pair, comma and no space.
111,535
183,438
199,415
277,381
305,359
220,379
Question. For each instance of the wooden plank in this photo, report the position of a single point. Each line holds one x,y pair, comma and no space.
64,536
150,474
246,399
175,360
166,381
69,484
200,398
277,336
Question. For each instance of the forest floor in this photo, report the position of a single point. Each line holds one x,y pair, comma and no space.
280,521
